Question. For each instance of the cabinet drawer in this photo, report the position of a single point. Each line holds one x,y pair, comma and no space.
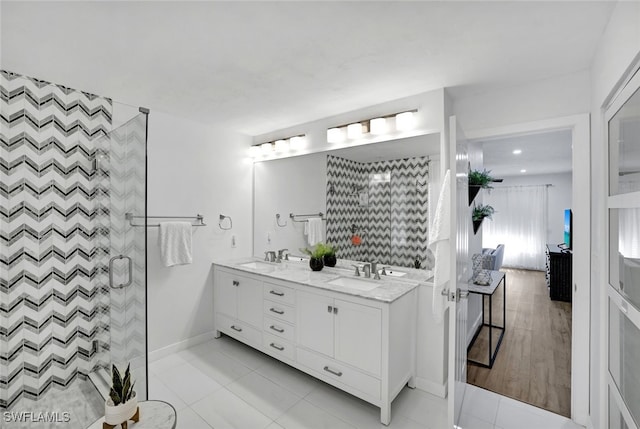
339,372
239,330
278,347
279,328
279,311
279,293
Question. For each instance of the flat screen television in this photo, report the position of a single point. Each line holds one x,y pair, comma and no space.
568,228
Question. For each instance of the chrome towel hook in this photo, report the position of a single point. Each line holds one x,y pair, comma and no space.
278,221
222,218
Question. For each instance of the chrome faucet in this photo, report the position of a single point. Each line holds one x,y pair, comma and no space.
270,256
367,270
357,273
280,253
374,270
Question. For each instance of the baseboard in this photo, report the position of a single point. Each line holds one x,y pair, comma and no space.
436,389
475,327
180,345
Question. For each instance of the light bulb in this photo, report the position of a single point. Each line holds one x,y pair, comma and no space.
266,147
378,126
405,121
335,135
254,151
282,145
296,143
354,131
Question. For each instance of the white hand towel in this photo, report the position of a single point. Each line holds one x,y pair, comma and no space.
175,243
315,231
439,242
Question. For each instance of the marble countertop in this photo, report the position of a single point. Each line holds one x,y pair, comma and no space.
390,289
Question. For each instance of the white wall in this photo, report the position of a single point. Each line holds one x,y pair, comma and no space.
545,99
559,198
193,169
618,48
290,185
474,309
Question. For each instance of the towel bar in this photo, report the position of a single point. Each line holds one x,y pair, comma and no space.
130,217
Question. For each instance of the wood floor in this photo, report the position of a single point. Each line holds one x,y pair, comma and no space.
534,361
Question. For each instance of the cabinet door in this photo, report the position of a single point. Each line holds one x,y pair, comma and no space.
358,335
314,322
224,293
250,301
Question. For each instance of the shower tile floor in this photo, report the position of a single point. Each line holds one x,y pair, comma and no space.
80,399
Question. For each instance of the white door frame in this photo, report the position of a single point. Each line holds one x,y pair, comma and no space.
581,154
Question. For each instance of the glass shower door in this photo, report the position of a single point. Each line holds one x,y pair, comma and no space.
121,163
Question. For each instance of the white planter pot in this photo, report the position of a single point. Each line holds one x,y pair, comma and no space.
116,414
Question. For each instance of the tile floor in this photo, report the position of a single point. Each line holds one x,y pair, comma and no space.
224,384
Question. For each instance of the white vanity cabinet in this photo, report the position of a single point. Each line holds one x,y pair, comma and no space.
363,346
349,332
238,305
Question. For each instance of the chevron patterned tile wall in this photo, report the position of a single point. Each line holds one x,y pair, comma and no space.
393,224
53,235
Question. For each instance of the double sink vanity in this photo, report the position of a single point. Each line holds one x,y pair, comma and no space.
356,334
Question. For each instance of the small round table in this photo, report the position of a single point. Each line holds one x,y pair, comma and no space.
153,415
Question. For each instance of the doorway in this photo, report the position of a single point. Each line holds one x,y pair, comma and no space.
578,128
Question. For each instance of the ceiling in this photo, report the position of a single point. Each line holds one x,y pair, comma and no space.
257,67
543,153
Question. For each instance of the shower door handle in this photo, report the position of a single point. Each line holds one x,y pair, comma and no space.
129,272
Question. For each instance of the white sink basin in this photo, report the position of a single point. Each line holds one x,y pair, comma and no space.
256,265
297,258
393,273
354,283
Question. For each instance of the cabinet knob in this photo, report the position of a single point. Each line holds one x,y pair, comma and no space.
276,346
235,328
329,309
273,292
335,310
236,283
275,310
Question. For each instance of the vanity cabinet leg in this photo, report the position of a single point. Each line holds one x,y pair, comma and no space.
385,414
218,334
412,382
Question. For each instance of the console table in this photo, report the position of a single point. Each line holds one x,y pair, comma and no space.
559,265
497,278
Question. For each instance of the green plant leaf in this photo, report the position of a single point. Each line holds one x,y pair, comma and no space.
481,178
115,397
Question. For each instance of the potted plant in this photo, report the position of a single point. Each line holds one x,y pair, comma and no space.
479,213
316,257
479,180
122,403
328,254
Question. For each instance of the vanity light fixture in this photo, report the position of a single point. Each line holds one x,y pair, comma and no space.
296,142
405,121
335,135
523,171
517,151
377,126
255,151
279,146
354,131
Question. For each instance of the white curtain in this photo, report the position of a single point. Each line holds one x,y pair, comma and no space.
520,223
